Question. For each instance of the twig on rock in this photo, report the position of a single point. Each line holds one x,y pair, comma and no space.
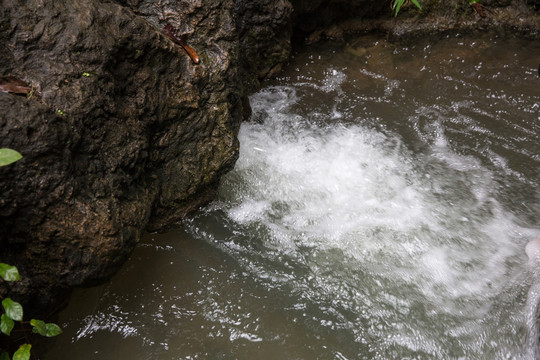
172,33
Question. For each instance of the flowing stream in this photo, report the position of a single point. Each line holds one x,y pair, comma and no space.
380,209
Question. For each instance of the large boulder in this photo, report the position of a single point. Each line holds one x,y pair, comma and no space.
265,32
123,132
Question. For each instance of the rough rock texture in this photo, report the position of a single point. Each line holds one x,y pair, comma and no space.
265,32
335,19
317,14
128,132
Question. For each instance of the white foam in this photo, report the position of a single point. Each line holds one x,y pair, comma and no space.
533,298
342,183
533,252
426,222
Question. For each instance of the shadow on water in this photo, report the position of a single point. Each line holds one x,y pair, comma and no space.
379,209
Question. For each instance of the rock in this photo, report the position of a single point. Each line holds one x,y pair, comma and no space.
340,19
128,133
265,31
310,16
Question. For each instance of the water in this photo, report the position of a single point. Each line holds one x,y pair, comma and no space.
380,209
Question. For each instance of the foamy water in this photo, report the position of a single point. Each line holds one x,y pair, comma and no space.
380,209
380,229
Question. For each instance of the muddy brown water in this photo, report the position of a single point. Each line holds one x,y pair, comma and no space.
380,209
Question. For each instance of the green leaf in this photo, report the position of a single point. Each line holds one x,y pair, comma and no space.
397,5
23,353
415,2
6,324
38,326
14,310
8,156
9,273
4,355
53,330
45,329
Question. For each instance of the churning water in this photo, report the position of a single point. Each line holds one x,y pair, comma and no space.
380,209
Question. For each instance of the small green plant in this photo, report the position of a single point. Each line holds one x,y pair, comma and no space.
397,4
85,74
31,93
8,156
59,112
13,311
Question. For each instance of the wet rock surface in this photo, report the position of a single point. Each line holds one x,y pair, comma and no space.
128,134
265,31
338,19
